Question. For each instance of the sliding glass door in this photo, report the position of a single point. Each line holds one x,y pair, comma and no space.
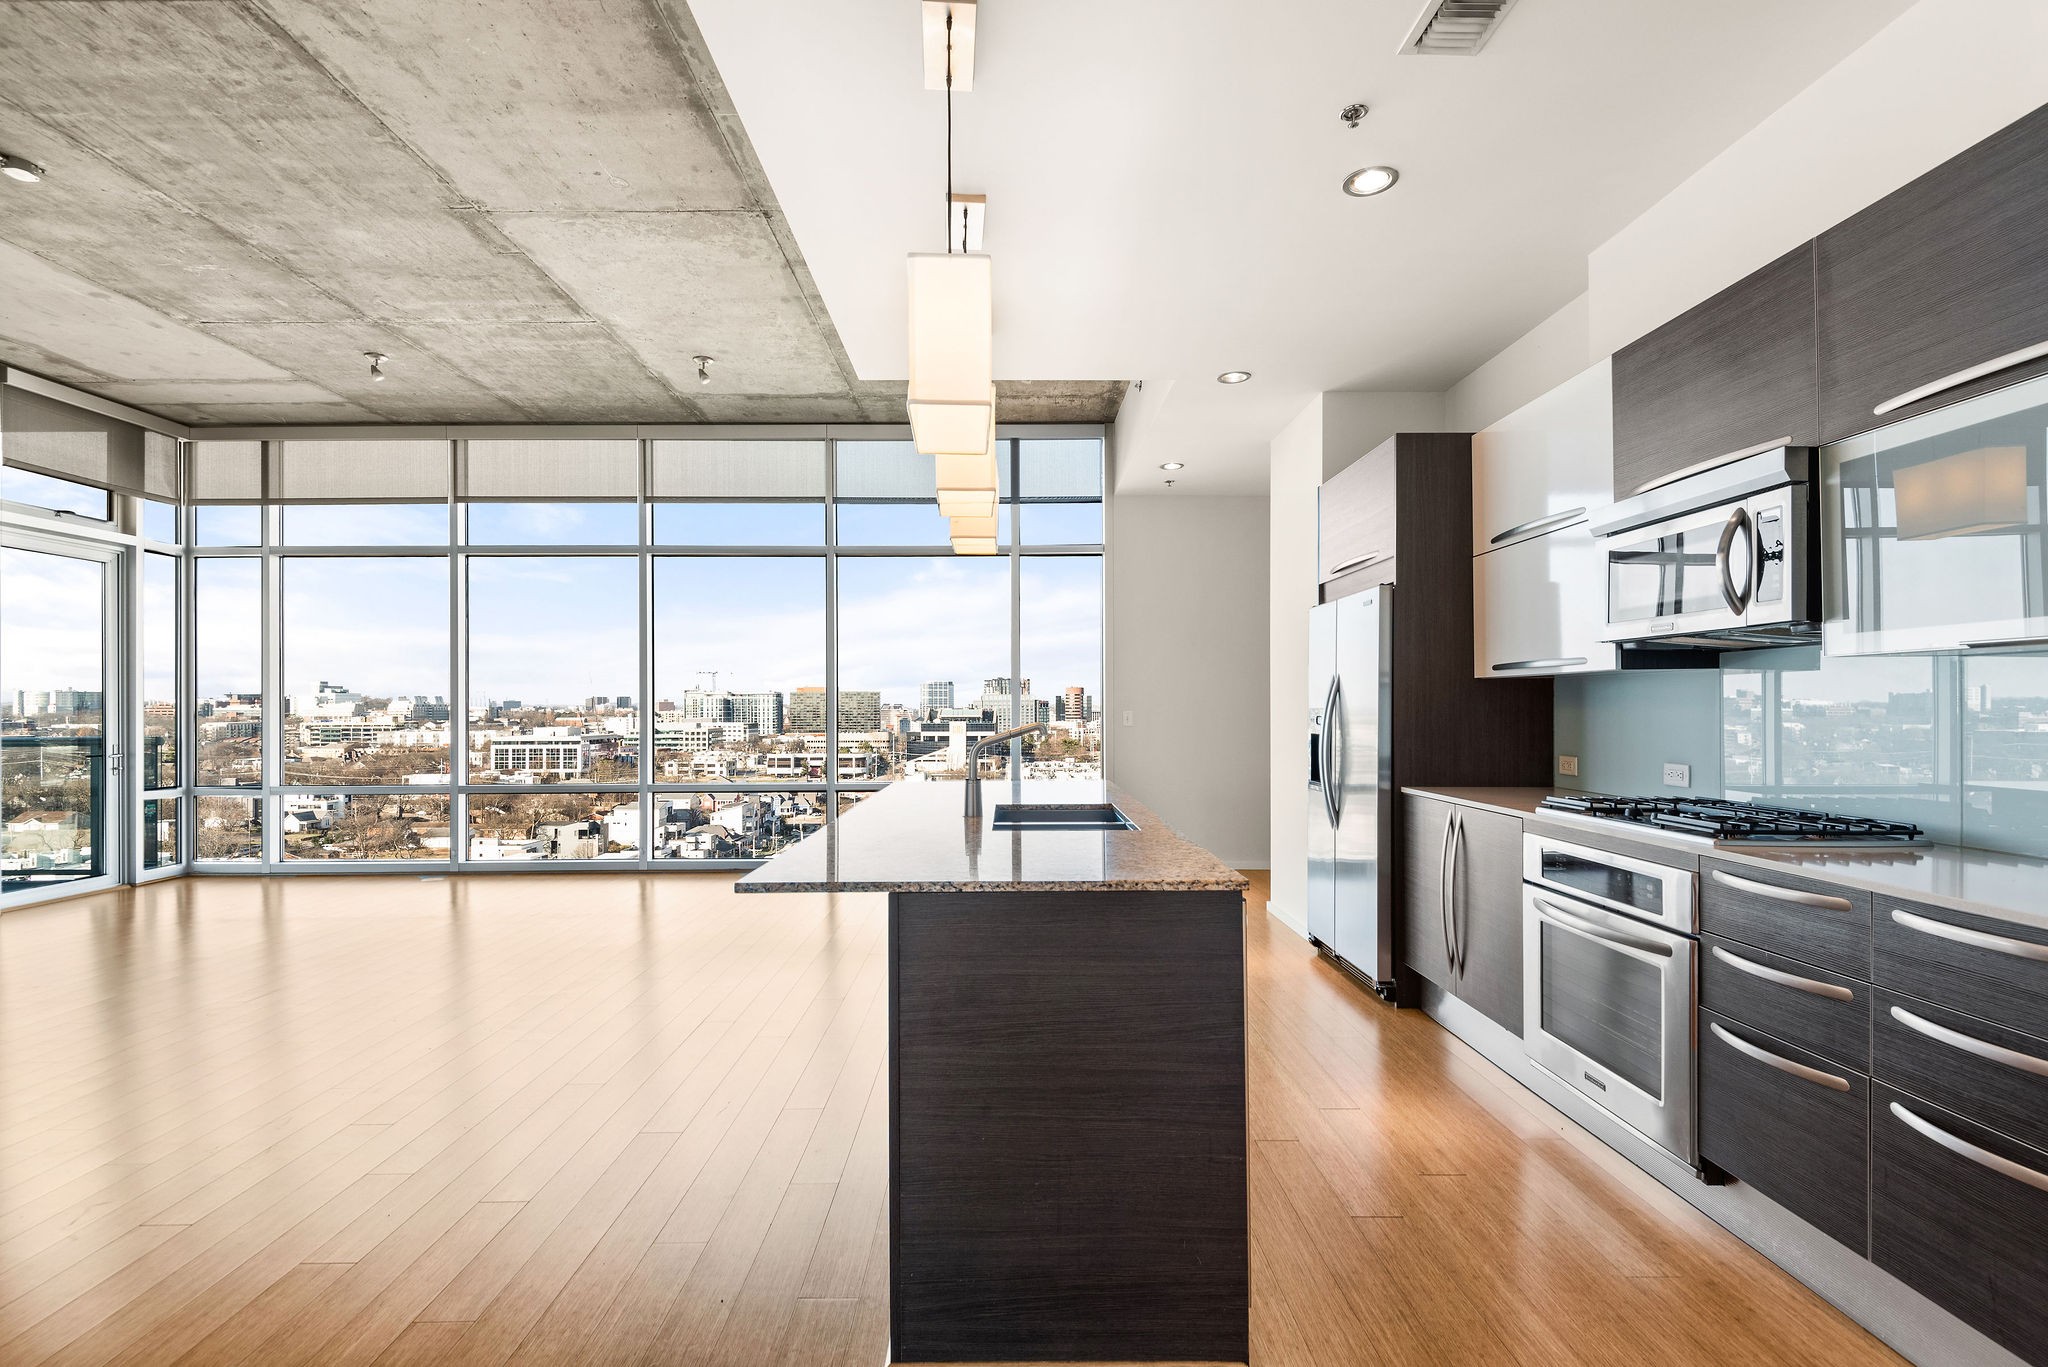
60,716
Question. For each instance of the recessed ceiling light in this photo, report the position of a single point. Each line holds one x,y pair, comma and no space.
19,168
1233,377
1370,180
1172,465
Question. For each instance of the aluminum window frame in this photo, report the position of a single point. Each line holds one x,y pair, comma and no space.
461,788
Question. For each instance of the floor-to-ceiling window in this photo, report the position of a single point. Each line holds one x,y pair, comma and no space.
567,649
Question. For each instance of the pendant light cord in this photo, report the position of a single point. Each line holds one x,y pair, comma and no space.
949,136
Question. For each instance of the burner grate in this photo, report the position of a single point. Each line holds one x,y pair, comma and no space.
1735,822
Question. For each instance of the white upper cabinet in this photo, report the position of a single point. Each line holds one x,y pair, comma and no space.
1546,464
1539,606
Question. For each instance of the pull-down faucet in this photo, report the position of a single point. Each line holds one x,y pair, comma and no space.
974,759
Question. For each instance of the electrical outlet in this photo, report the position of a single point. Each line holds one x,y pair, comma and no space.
1127,716
1568,765
1678,775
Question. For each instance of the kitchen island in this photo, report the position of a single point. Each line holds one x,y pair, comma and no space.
1066,1073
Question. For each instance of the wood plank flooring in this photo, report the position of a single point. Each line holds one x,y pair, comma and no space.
632,1119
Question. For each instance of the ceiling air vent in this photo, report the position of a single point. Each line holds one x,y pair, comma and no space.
1455,28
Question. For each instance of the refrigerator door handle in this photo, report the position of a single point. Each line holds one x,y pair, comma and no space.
1333,739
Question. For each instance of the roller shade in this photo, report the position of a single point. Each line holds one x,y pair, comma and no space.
739,471
409,470
550,471
226,471
161,466
55,439
1059,471
895,472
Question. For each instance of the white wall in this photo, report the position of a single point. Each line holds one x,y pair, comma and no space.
1187,603
1539,361
1943,75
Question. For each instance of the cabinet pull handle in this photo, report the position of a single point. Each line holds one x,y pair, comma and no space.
1783,1065
1710,462
2007,643
1560,662
1970,1044
1963,935
1550,911
1963,1148
1772,890
1772,975
1449,870
1537,524
1357,562
1457,936
1963,376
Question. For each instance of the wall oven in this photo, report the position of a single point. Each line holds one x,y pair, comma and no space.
1722,558
1609,962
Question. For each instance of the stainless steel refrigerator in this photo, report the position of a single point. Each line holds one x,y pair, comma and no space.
1351,802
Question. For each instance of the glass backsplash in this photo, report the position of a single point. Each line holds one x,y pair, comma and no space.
1957,744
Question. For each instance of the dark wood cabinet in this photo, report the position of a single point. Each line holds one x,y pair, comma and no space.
1424,939
1486,914
1941,275
1956,1213
1802,918
1825,1012
1461,904
1991,1073
1792,1124
1725,376
1992,968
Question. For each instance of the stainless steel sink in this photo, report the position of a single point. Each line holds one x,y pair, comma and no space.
1093,816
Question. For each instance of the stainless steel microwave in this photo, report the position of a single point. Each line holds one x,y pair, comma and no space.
1724,558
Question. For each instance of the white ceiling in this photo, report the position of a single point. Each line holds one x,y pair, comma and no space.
1163,180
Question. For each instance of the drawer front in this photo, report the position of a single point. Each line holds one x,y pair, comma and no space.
1986,1071
1814,922
1790,1123
1813,1008
1986,967
1956,1212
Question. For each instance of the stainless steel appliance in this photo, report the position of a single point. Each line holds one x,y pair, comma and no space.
1608,954
1723,558
1726,821
1351,801
1936,529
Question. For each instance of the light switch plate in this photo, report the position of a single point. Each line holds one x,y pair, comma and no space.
1568,765
1127,716
1678,775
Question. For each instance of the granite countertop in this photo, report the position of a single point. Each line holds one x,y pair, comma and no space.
911,837
2010,887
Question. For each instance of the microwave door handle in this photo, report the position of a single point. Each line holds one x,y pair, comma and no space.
1738,521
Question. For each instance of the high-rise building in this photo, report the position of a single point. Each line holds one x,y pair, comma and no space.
807,710
762,711
1074,704
932,697
859,710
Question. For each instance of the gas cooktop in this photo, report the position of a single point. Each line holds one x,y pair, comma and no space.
1738,823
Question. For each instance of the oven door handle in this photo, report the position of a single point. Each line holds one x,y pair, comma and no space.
1738,521
1550,911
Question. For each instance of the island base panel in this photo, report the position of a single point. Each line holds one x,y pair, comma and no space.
1067,1127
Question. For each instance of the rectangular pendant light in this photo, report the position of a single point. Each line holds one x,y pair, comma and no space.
974,546
974,528
952,352
935,12
974,503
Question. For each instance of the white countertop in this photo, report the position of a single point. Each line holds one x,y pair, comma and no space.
2007,886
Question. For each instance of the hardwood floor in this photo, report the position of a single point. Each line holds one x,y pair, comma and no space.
622,1119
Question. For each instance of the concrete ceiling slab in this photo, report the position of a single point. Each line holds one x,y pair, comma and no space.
531,104
108,333
541,210
572,372
89,217
210,104
417,384
682,285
